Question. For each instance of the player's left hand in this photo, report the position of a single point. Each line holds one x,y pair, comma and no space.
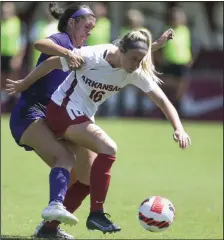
166,36
182,138
74,61
15,87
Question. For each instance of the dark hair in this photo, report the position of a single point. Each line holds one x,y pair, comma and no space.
64,15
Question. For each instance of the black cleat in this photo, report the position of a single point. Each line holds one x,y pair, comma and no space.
51,233
99,221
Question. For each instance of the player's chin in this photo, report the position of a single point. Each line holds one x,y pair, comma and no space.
129,70
83,40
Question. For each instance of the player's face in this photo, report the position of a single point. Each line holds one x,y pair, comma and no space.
130,60
82,29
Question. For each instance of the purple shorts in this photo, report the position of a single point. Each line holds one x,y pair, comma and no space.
23,114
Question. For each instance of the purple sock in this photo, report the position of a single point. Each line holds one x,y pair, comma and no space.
59,179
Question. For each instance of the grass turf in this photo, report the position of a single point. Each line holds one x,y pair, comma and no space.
148,163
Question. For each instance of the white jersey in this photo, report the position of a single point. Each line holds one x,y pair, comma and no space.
85,89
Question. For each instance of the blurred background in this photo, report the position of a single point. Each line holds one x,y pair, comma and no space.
150,163
193,80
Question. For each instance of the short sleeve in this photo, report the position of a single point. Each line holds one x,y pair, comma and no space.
142,80
64,64
88,54
61,39
56,40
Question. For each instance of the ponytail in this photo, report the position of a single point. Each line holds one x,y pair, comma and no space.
55,11
146,63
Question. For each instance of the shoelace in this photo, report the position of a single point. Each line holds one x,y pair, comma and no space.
59,205
107,215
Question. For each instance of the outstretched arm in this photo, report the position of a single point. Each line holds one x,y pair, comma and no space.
160,99
159,43
49,47
15,87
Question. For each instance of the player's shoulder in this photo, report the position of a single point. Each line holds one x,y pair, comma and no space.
102,46
96,52
62,39
97,49
140,74
60,35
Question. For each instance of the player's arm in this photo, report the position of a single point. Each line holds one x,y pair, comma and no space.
159,43
161,100
15,87
48,47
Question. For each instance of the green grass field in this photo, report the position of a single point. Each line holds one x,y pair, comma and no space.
149,163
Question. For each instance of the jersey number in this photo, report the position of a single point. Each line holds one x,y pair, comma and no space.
96,96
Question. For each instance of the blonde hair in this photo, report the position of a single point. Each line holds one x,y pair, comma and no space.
145,36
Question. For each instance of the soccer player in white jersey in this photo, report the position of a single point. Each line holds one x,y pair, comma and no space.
70,114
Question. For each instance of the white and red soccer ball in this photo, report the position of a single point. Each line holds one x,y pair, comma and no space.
156,214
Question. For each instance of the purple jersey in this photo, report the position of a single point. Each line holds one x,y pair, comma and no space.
33,102
42,90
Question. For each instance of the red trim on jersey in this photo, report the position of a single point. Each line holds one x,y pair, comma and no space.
59,120
157,205
69,92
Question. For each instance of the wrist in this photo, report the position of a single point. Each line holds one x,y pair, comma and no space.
25,81
179,128
66,53
160,43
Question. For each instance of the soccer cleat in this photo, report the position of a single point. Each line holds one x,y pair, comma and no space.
56,211
42,231
99,221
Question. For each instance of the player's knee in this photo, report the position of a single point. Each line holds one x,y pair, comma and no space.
111,148
65,160
84,179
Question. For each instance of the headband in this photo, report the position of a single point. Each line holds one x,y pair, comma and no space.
82,12
136,45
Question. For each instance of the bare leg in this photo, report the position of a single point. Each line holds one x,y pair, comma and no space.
39,137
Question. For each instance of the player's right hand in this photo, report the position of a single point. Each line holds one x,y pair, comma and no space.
15,87
74,61
181,137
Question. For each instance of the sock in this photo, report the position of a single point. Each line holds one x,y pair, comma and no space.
59,179
100,181
73,199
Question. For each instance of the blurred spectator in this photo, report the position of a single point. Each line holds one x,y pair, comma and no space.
134,20
101,32
13,46
177,56
44,26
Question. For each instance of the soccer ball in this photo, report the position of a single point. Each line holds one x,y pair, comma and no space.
156,214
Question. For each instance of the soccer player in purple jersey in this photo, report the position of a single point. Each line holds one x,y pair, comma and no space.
33,101
27,118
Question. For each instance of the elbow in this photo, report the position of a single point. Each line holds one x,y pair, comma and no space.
162,103
37,45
